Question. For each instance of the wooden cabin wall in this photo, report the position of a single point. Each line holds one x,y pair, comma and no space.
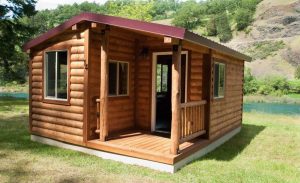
93,81
57,121
226,113
121,109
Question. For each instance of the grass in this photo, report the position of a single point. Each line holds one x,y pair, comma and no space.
266,150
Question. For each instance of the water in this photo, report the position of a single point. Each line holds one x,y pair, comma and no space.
273,108
14,94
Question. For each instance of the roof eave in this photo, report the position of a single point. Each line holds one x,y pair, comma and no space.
195,38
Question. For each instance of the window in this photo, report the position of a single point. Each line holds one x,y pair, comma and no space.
118,78
219,80
162,78
56,75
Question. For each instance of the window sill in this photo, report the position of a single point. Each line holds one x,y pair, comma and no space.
54,101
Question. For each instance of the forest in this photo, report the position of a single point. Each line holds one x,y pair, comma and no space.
20,22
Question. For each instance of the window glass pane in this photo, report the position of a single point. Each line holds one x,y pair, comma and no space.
62,74
216,80
164,84
50,74
182,78
158,77
112,78
222,79
123,78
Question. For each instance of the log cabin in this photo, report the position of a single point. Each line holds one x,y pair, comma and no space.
141,93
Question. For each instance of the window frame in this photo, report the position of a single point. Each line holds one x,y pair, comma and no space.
55,100
117,80
224,92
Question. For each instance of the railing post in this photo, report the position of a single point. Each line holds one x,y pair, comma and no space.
104,84
175,131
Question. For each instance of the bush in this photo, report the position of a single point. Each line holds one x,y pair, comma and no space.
250,83
223,27
243,18
294,86
211,27
275,85
262,50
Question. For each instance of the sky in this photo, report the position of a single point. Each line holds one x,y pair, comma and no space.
52,4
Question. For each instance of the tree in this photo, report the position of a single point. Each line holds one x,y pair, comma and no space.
223,27
13,33
243,18
211,27
188,15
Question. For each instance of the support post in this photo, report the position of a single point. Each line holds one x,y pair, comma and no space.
175,130
104,85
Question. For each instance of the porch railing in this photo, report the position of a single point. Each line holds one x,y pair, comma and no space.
192,120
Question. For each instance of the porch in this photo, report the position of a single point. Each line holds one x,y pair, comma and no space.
147,145
126,102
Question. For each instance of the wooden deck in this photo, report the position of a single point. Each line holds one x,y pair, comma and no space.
145,145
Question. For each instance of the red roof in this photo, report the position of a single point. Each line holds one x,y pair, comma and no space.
154,28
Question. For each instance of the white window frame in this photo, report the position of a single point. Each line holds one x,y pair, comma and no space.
45,75
224,88
117,81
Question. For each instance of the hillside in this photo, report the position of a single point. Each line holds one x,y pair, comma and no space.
273,38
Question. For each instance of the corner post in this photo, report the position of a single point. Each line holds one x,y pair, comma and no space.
104,85
175,96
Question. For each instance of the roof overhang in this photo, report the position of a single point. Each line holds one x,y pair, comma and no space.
154,28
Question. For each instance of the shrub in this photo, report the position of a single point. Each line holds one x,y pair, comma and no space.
223,27
211,27
250,83
243,18
294,86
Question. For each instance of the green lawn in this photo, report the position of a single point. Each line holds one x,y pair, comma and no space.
266,150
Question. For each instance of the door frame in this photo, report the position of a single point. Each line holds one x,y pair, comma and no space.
153,83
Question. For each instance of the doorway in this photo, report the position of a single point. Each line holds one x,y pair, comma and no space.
162,87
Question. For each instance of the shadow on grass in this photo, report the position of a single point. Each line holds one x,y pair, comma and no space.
230,149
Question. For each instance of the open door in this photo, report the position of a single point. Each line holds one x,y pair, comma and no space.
161,101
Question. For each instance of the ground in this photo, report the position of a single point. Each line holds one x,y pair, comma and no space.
266,150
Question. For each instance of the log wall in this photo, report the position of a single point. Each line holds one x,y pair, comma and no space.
226,113
59,121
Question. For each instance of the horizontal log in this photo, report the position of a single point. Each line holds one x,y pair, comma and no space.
36,91
38,58
52,113
59,121
77,49
77,94
76,102
36,97
77,65
77,87
195,103
37,85
77,57
36,71
57,135
56,107
37,78
77,80
57,128
77,72
37,65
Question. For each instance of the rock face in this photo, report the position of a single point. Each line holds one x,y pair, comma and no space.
275,20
